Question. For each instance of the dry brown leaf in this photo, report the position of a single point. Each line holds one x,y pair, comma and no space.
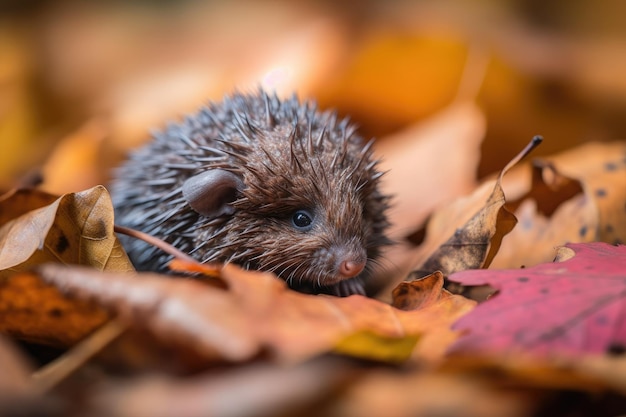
575,196
72,229
467,233
420,293
257,312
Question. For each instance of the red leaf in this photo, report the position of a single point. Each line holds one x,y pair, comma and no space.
577,305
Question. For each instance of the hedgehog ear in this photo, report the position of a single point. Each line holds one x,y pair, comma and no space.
211,192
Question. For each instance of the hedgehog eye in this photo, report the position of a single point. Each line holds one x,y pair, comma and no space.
302,220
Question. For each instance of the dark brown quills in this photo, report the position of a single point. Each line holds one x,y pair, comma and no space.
269,184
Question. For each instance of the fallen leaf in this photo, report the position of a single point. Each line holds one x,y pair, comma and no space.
574,306
72,229
420,293
467,233
76,228
257,312
369,345
36,312
575,196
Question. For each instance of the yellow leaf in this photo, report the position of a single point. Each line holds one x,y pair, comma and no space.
368,345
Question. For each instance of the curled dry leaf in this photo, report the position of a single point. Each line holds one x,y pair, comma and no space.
575,196
76,228
570,307
257,313
72,229
420,293
467,233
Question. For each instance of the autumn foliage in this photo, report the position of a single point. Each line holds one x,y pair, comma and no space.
503,295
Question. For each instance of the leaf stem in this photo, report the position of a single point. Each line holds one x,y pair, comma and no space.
534,142
164,246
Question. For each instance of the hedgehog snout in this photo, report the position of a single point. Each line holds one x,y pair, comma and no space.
349,262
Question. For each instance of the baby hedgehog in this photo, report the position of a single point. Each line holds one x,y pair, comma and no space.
268,184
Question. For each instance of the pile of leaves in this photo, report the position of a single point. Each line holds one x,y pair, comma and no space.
504,296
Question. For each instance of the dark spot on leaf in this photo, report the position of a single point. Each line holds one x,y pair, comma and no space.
600,192
583,231
616,349
610,166
523,279
544,290
55,312
61,245
99,230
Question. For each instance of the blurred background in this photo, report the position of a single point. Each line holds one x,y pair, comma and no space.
81,82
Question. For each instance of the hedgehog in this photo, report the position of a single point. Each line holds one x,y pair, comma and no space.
266,183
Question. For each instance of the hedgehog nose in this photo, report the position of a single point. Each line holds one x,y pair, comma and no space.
351,268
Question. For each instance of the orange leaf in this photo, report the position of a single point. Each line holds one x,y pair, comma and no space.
258,312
